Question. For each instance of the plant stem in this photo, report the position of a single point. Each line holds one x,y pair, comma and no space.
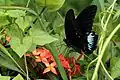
111,10
19,8
106,71
90,65
103,50
27,74
28,3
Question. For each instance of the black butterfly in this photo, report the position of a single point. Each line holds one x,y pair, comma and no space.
79,34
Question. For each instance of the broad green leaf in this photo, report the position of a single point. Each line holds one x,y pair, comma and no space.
21,47
15,42
3,18
118,44
23,22
7,62
4,78
5,2
115,67
14,31
16,13
52,5
33,47
15,58
55,21
40,37
20,2
18,77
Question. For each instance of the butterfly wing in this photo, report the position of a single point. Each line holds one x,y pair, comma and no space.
69,27
78,31
73,35
85,19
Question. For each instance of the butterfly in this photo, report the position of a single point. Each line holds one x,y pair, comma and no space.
78,31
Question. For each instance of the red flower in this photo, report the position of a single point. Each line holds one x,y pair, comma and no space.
42,51
76,67
64,62
41,54
50,67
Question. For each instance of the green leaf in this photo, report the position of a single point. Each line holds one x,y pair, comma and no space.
14,31
55,21
18,77
52,5
21,47
20,2
5,2
7,62
3,18
118,44
33,47
40,37
16,13
4,78
15,58
23,22
115,67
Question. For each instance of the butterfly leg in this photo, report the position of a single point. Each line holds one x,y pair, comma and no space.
81,54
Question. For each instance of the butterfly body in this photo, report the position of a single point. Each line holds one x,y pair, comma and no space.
79,34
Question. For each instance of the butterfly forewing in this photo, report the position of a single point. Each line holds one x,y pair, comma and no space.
68,23
73,35
85,18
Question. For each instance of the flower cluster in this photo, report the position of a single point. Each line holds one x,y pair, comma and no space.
43,55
